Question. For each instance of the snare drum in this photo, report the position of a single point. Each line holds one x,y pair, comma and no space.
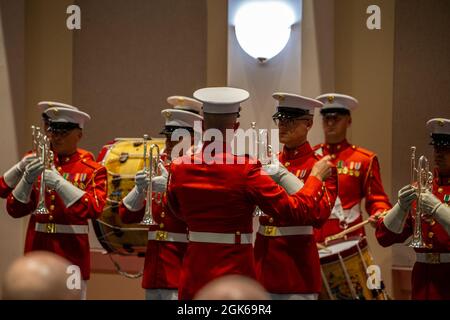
123,159
343,267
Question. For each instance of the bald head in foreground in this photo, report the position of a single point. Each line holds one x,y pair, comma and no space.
232,287
39,275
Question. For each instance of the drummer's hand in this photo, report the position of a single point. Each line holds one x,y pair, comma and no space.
159,183
373,219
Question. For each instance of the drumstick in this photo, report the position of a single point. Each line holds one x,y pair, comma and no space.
322,247
346,231
351,229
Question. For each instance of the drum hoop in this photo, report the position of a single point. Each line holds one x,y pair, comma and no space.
347,253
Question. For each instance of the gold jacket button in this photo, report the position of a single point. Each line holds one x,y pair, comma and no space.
50,218
161,225
52,207
163,214
440,189
287,164
430,234
270,220
432,222
238,233
333,156
86,200
52,197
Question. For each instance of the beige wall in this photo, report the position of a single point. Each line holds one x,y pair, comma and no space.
216,67
11,112
48,56
129,57
364,69
317,74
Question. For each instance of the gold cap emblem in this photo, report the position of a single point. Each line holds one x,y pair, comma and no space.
279,97
168,115
330,99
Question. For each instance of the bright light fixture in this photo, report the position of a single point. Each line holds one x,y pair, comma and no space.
263,28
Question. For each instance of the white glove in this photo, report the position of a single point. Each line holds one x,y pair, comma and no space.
429,203
287,180
13,175
159,183
134,200
442,215
406,197
23,189
141,180
432,206
395,218
67,191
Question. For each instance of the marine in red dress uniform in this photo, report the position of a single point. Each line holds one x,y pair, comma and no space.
430,276
11,177
287,261
76,192
168,237
358,170
215,193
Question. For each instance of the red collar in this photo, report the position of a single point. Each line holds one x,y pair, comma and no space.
333,148
300,151
63,160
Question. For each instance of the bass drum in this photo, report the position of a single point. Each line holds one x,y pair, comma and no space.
122,160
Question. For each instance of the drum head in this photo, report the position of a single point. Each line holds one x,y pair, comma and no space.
338,247
123,159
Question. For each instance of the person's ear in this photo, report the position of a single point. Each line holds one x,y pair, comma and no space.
236,125
309,124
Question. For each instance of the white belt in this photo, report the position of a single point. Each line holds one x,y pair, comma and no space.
160,235
432,257
61,228
273,231
225,238
345,215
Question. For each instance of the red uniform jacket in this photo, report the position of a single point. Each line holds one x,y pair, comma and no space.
359,177
290,264
86,174
429,281
163,259
5,190
221,198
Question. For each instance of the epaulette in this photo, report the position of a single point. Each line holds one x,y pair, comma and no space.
84,154
365,152
91,163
